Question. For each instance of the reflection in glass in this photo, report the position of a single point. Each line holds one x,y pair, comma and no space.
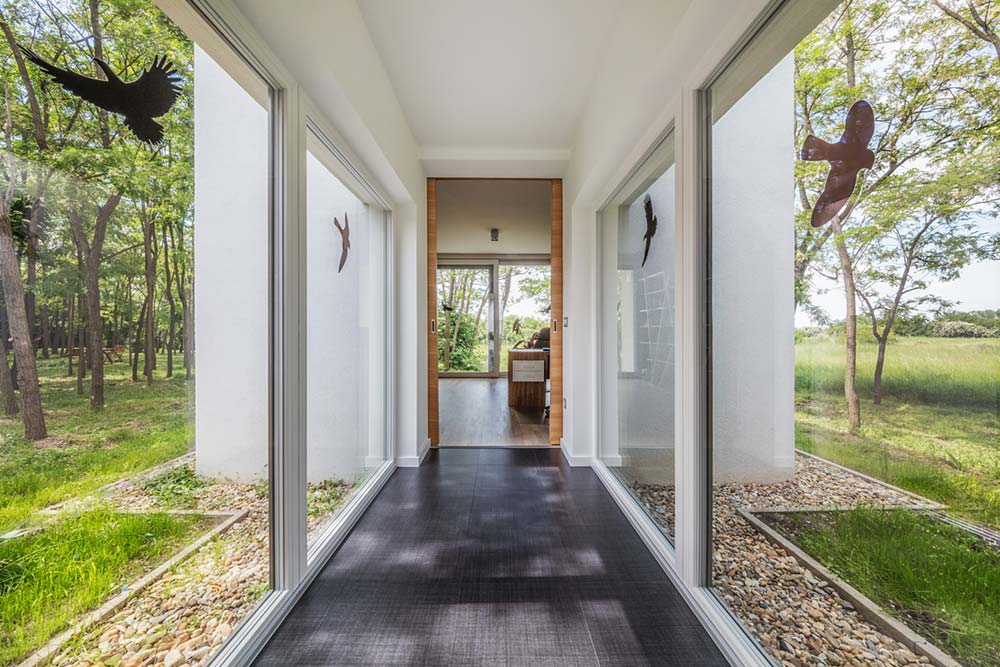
346,342
638,440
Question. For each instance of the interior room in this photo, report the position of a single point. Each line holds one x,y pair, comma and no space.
574,333
494,302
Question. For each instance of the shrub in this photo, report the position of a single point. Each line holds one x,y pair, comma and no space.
959,329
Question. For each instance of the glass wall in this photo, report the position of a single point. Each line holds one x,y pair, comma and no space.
466,321
636,241
347,302
854,359
525,302
134,253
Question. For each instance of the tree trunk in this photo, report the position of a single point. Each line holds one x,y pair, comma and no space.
17,321
879,365
851,325
149,253
171,305
7,386
135,344
43,313
81,342
91,252
69,339
187,314
447,321
7,392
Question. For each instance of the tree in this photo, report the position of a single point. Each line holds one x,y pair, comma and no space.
932,105
930,233
17,315
980,18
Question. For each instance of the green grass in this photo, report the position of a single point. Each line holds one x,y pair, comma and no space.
140,427
326,496
176,487
937,432
962,372
73,565
941,581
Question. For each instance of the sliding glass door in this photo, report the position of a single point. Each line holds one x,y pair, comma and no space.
467,319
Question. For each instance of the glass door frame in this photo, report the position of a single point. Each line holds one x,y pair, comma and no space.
493,265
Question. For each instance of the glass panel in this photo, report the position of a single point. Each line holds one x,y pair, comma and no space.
855,303
464,319
130,433
525,304
346,339
637,441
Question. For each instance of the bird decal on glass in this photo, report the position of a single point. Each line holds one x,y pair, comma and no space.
647,203
847,157
139,102
345,240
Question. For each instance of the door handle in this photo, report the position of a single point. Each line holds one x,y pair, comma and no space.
433,326
555,326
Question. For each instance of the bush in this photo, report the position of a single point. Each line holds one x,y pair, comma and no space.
959,329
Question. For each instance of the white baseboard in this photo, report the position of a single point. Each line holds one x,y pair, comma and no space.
576,460
415,461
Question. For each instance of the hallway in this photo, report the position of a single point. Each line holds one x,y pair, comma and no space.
492,557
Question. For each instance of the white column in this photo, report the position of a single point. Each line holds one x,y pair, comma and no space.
231,260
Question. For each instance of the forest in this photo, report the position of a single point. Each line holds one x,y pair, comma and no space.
96,237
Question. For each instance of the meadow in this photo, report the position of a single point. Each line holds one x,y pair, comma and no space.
140,427
937,431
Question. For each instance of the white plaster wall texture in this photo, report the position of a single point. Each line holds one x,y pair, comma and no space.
467,210
753,239
231,257
345,326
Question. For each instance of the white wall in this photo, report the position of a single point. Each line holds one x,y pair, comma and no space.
344,332
467,210
650,57
231,256
753,248
330,52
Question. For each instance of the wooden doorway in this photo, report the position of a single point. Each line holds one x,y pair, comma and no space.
556,324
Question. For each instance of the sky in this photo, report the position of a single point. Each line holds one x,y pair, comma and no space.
977,288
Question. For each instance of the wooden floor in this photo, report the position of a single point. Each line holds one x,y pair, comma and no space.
474,412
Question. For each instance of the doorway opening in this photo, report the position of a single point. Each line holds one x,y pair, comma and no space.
494,306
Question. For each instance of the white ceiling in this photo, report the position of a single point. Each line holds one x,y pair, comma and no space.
482,81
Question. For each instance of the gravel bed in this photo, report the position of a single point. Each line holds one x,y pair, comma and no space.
184,617
799,619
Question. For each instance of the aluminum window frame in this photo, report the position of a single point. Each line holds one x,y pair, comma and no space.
291,116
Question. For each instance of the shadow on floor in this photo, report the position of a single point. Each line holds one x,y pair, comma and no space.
492,557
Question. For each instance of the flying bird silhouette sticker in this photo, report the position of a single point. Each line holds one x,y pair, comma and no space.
647,203
847,157
345,240
139,102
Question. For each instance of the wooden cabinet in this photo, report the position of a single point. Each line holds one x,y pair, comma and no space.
527,371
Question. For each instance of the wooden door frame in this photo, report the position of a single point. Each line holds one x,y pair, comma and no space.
556,333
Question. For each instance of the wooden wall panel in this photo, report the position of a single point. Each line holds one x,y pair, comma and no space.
556,359
433,425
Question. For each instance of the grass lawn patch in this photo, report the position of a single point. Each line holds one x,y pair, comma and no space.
74,564
937,432
938,579
140,427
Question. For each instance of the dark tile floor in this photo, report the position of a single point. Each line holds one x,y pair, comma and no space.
492,557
